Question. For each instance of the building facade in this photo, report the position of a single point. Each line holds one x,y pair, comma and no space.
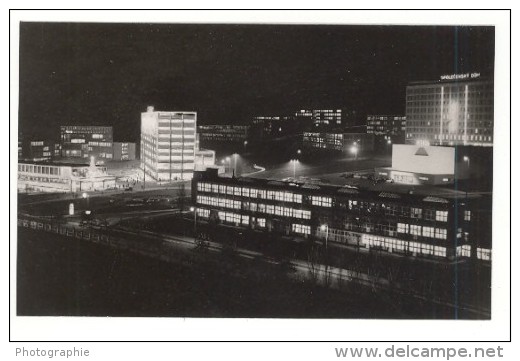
456,110
223,133
62,177
168,144
410,224
82,141
124,151
339,142
387,127
38,150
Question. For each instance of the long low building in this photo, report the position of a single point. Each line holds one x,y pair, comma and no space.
339,142
382,217
62,177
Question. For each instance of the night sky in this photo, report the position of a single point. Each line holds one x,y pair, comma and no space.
106,74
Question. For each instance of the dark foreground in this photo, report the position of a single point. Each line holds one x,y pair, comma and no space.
59,276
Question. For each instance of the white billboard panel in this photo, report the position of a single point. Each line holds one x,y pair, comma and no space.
423,159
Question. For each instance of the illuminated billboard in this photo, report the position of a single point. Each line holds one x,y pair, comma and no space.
423,159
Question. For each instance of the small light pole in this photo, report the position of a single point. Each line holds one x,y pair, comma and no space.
354,150
194,210
245,145
84,195
325,228
466,159
299,151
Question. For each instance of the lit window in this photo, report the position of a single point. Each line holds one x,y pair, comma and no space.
467,216
402,228
428,232
440,233
441,216
415,230
321,201
416,212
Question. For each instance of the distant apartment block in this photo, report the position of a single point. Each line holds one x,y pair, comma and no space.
85,141
340,142
168,144
388,127
458,109
124,151
223,133
39,150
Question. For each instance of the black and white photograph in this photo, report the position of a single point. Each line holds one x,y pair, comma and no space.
254,170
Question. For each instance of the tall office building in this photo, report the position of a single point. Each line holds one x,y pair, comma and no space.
85,141
168,144
455,110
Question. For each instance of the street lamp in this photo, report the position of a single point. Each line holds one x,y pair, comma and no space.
389,141
245,145
354,150
324,228
194,210
466,159
84,195
299,151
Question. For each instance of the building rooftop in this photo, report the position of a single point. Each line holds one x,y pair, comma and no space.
369,188
54,163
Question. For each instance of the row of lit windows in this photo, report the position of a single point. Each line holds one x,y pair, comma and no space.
463,251
484,254
100,144
400,245
40,169
254,207
301,228
424,231
249,192
282,196
321,201
234,218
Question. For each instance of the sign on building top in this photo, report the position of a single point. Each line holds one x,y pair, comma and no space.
460,76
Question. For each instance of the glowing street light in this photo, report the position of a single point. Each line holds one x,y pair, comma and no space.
354,150
299,151
84,195
466,160
194,210
389,141
324,228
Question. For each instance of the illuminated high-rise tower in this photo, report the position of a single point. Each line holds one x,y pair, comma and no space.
168,144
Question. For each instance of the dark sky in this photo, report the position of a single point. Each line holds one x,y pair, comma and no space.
106,74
